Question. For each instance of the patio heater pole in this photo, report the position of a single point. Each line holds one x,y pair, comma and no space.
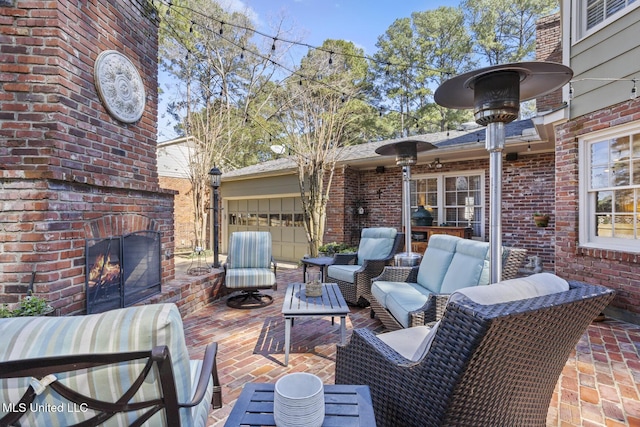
495,94
406,206
406,152
494,144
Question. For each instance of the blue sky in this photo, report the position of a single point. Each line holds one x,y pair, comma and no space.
358,21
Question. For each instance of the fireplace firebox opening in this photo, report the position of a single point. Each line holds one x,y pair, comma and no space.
122,270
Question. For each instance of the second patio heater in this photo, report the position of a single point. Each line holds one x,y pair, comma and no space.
495,94
406,153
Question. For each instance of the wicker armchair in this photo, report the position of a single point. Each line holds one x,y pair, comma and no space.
487,365
435,305
353,272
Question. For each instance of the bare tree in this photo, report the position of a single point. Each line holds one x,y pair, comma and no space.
226,80
317,107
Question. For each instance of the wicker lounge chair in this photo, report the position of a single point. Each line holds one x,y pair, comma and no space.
353,272
482,365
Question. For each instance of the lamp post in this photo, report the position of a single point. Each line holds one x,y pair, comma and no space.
495,94
406,155
216,176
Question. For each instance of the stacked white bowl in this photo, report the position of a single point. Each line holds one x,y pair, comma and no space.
298,401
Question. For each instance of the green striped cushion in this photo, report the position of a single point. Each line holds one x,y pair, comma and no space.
249,249
239,278
123,330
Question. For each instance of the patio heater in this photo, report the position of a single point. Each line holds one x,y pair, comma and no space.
216,176
406,153
495,94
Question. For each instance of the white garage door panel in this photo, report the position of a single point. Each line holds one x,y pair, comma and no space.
280,216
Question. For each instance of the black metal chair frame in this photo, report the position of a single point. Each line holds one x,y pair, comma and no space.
158,356
250,298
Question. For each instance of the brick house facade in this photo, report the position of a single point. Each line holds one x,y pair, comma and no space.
528,186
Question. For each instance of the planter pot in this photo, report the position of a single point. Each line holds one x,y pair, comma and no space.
541,220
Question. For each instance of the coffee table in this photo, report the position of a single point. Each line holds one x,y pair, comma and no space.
297,304
345,406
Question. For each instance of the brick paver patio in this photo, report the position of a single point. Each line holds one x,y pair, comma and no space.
598,387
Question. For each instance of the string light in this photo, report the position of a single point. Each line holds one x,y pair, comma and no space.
570,90
317,79
634,90
309,46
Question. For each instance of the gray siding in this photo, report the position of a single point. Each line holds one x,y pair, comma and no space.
612,52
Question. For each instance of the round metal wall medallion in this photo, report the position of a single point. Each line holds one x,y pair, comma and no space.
119,86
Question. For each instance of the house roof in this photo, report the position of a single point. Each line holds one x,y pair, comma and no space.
455,144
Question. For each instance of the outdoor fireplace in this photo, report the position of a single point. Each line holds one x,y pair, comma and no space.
122,270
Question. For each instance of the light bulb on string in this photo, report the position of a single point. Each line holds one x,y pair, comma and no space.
634,90
570,91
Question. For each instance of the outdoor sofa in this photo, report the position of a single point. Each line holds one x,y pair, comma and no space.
410,296
120,367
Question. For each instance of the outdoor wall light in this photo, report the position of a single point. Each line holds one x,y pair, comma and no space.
495,94
435,164
216,177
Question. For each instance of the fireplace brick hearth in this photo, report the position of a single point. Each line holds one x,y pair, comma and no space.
70,170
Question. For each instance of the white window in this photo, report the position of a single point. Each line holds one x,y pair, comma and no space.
610,190
594,14
453,199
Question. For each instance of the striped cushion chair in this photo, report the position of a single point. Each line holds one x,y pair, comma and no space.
248,269
123,367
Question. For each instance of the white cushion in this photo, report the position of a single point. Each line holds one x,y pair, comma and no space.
410,343
514,289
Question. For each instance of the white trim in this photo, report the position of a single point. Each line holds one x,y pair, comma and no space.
578,25
586,202
440,177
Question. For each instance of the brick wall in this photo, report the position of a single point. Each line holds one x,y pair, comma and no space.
615,269
66,162
334,230
183,211
52,118
549,48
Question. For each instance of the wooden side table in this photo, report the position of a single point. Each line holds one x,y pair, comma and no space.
345,406
322,262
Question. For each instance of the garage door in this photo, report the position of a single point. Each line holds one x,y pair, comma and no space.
281,216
